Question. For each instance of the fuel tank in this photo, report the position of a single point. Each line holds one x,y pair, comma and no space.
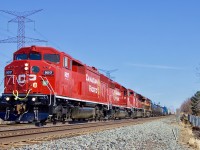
139,113
82,112
121,114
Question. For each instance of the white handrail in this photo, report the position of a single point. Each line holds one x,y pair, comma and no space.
11,76
54,103
50,89
50,84
7,113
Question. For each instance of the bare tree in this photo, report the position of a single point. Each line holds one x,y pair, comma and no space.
186,106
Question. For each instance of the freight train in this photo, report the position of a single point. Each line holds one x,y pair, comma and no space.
43,83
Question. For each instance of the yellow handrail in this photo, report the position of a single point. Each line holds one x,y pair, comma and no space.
17,95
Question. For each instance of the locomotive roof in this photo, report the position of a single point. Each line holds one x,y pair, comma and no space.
131,90
40,49
93,69
37,48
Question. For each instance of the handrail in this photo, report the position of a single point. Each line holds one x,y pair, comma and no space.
7,113
20,117
11,76
54,103
50,89
17,95
50,84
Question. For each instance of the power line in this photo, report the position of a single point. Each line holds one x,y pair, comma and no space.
54,43
21,19
5,32
36,31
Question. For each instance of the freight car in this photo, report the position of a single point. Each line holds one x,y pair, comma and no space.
42,83
158,110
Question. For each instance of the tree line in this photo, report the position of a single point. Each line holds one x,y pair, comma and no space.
192,105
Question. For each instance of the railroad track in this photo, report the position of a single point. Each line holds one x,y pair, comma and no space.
21,137
4,127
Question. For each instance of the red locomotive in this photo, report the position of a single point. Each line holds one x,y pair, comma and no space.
42,83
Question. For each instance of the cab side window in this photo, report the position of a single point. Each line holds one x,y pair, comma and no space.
55,58
65,62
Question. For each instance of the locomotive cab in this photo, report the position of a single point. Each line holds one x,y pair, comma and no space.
30,83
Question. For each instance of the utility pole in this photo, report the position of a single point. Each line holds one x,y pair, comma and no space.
21,19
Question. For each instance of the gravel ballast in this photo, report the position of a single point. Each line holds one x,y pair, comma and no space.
155,135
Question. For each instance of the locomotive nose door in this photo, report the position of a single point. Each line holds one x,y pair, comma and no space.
22,72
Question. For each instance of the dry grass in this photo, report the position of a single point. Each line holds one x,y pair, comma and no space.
189,136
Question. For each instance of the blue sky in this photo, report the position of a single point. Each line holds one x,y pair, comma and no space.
155,45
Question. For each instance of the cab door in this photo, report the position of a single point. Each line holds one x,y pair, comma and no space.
66,73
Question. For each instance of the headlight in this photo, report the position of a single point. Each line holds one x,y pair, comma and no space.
35,69
33,99
9,72
26,68
26,64
7,98
48,72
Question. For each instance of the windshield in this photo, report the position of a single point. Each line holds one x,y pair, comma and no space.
35,56
21,57
52,58
55,58
31,56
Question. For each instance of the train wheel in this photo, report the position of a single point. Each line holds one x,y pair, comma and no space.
63,122
53,119
63,119
43,122
39,124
